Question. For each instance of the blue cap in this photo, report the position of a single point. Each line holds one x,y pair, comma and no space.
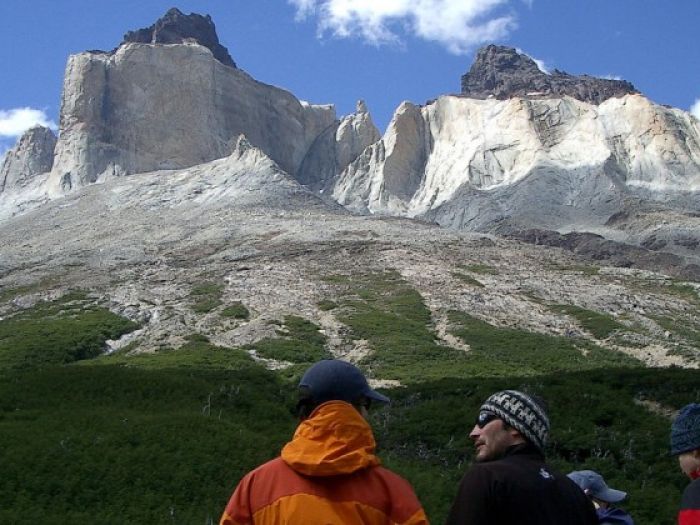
594,485
685,431
332,379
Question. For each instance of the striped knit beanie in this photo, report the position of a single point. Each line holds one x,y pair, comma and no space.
685,431
522,413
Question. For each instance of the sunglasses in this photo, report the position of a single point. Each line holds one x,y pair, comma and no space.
484,418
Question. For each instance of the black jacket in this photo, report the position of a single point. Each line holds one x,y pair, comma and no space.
689,513
519,489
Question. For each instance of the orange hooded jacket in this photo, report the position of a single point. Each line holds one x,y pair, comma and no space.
327,475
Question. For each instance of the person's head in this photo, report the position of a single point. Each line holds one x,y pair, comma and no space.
685,439
335,380
509,418
595,488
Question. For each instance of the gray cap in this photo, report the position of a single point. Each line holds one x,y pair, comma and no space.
594,485
332,379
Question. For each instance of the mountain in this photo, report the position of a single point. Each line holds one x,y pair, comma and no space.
177,28
503,72
518,148
193,239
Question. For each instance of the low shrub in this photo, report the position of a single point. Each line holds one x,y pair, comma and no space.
58,332
236,310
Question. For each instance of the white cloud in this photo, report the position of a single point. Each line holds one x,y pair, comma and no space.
612,77
695,109
14,122
540,63
458,25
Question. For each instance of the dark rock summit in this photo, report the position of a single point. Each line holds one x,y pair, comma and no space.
175,28
502,72
598,249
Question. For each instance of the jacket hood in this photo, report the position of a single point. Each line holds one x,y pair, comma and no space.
614,516
334,440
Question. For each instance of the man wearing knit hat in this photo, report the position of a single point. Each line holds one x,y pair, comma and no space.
510,481
685,443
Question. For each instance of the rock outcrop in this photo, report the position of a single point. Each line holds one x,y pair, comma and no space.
502,72
596,248
177,28
518,150
153,107
338,146
31,156
546,163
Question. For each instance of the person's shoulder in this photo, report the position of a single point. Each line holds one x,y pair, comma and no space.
269,468
390,477
691,495
484,472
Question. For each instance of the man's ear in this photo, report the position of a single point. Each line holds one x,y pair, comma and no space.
515,434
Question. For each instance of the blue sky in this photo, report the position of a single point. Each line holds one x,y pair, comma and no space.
382,51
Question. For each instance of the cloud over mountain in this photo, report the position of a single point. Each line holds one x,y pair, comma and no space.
695,109
458,25
14,122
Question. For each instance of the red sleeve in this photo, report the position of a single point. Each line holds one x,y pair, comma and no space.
689,517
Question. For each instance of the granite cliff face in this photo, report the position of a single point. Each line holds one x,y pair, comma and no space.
502,72
335,148
31,156
557,163
148,107
518,150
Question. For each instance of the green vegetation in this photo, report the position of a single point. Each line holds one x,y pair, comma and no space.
596,424
327,305
194,354
391,316
680,289
300,342
599,324
43,284
206,296
688,332
388,313
142,443
684,291
58,332
483,269
164,437
467,279
512,352
237,310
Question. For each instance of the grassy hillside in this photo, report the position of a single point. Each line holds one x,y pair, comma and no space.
164,437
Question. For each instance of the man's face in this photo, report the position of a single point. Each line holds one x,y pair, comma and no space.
491,438
689,461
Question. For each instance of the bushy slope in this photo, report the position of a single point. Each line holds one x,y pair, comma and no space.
164,438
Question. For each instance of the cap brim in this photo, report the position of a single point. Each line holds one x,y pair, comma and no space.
376,396
611,495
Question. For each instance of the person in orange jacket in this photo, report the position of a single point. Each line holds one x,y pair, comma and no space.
328,473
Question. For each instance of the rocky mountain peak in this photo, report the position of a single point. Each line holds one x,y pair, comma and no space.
175,27
32,155
503,72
